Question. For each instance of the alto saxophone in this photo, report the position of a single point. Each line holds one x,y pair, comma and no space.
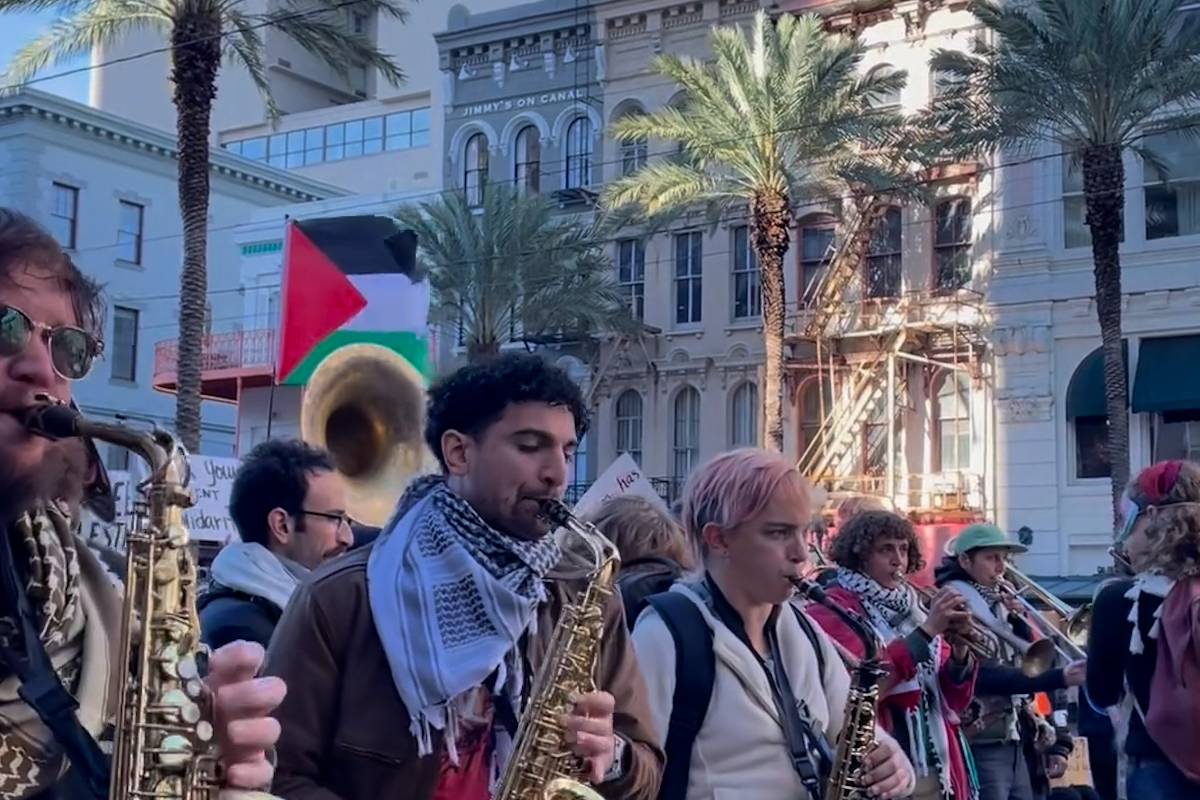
858,727
542,766
164,746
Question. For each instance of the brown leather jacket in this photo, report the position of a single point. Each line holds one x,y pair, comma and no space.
345,730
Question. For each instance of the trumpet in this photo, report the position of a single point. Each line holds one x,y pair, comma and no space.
982,637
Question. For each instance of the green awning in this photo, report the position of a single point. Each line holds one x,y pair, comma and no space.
1085,392
1168,375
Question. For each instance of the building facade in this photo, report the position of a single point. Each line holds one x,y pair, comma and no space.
106,188
1050,391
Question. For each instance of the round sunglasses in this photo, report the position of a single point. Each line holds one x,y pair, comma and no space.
72,349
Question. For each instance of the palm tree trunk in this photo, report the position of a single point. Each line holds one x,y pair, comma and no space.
479,352
1104,193
771,218
196,56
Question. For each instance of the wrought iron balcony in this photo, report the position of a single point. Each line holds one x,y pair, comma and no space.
229,362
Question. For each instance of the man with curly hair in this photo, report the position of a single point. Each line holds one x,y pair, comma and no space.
930,677
413,657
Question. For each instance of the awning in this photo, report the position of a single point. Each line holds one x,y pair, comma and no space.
1072,589
1168,375
1085,392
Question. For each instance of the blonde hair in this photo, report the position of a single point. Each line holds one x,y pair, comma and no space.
1172,490
641,529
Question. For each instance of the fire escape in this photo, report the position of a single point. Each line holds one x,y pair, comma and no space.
878,355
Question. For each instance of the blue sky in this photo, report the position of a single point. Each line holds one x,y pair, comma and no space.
18,28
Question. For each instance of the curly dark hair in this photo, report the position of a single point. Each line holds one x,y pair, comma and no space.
1172,490
856,539
472,398
273,475
24,244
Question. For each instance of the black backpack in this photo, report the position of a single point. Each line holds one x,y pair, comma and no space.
695,673
638,585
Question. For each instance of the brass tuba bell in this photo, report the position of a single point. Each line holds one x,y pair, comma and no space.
365,405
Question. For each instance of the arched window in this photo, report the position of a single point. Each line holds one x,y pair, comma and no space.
629,424
1088,415
891,97
475,169
954,422
579,153
743,429
686,443
952,243
527,160
883,259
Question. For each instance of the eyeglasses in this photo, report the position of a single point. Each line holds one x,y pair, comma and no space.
72,349
341,518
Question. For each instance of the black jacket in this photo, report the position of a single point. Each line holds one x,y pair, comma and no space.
227,615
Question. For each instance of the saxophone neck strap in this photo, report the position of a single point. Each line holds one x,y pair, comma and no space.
41,688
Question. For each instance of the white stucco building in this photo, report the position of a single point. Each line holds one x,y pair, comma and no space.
106,188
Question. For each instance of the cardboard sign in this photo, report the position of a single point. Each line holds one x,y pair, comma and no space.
622,477
207,520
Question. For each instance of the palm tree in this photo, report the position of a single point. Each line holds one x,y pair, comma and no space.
514,270
200,33
776,119
1094,78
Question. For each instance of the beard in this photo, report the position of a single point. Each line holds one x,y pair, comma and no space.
61,476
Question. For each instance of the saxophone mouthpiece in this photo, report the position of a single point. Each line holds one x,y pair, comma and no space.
51,419
554,512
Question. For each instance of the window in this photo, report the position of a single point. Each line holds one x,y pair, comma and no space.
633,156
816,250
631,275
747,292
125,343
813,407
475,168
116,458
528,160
891,97
337,141
1075,230
358,22
743,429
883,258
314,146
629,424
1173,205
952,243
954,422
943,82
579,153
689,252
1091,448
579,462
686,442
129,232
64,214
1176,435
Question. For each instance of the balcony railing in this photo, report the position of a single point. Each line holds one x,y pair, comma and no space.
226,359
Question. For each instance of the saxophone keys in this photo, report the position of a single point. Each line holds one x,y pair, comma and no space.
174,751
186,668
204,730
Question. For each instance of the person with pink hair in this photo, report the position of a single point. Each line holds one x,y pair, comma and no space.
775,694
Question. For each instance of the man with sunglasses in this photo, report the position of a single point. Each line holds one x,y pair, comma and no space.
59,610
289,506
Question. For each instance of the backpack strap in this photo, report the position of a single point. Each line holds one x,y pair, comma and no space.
807,625
695,672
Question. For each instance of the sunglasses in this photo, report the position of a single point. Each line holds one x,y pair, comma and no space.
72,349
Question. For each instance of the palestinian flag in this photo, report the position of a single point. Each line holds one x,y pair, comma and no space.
350,280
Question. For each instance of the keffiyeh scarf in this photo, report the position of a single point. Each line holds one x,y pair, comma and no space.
894,614
452,597
1151,583
78,616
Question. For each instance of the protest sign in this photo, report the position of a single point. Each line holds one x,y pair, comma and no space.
623,477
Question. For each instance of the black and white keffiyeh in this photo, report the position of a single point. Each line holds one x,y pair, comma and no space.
451,597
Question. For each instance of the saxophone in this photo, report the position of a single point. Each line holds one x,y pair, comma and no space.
542,766
858,728
164,746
